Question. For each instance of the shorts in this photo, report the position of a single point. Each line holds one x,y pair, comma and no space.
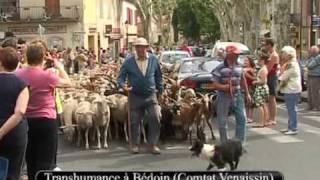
272,84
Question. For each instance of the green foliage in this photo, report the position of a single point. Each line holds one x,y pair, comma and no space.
195,19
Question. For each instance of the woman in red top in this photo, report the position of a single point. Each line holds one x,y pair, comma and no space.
249,72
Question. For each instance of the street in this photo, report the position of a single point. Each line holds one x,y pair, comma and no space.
297,157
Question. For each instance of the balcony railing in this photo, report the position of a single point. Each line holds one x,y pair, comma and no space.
40,13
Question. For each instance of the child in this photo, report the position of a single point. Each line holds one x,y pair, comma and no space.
261,91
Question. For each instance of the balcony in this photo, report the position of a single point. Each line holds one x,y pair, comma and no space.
40,14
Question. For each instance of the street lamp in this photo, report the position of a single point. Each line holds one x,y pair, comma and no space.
127,33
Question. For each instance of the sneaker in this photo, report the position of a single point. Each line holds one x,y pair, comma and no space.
155,150
57,169
290,132
284,130
135,149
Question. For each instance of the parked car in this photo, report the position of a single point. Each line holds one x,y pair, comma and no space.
169,58
195,73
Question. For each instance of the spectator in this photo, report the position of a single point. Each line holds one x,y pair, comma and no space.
143,89
184,47
103,57
14,97
68,57
229,80
261,90
249,73
41,112
290,86
313,65
298,51
273,68
9,40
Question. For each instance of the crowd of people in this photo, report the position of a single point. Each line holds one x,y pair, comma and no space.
30,74
273,74
28,108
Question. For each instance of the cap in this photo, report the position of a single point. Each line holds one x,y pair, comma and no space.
141,42
232,49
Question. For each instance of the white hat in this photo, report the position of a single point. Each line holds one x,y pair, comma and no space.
141,42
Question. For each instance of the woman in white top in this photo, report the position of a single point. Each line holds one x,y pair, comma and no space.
290,86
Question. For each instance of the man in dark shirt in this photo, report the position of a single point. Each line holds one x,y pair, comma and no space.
228,79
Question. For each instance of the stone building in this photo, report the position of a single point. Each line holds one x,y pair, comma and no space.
93,24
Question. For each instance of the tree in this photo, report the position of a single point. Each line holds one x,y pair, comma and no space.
157,10
195,20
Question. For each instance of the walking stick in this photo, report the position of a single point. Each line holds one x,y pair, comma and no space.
129,121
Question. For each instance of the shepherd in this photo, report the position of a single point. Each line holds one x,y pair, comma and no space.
144,87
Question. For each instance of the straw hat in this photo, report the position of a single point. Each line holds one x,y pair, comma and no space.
141,42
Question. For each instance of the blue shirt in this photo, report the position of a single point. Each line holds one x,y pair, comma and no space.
224,74
313,66
141,85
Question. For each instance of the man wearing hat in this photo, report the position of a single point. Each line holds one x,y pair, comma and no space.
144,84
228,79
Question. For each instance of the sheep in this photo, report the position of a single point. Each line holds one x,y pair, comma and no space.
101,109
69,108
84,119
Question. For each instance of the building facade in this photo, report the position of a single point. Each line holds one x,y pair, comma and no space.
93,24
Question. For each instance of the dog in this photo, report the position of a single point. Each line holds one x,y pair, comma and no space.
219,155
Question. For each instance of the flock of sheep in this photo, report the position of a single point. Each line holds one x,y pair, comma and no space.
94,106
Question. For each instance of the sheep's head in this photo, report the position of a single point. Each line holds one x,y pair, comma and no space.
69,132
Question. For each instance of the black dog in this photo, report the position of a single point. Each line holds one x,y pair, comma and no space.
218,155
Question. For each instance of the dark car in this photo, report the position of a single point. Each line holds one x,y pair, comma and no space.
198,71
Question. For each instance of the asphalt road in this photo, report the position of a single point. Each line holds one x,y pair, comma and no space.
297,157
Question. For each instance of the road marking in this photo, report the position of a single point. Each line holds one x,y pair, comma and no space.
176,147
275,135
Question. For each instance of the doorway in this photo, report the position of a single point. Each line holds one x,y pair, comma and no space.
52,8
91,43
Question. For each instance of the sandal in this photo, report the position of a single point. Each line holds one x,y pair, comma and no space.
249,121
258,126
271,124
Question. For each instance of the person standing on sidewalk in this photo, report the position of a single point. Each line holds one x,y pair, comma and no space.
144,84
290,86
273,68
229,80
313,66
41,112
14,97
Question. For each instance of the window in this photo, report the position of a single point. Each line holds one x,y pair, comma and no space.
136,17
130,16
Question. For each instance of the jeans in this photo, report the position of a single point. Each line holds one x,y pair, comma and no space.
224,103
292,101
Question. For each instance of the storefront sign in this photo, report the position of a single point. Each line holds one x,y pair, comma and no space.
34,29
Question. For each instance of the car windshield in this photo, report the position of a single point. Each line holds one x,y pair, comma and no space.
198,65
172,58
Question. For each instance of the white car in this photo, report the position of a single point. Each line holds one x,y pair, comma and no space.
169,58
221,47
